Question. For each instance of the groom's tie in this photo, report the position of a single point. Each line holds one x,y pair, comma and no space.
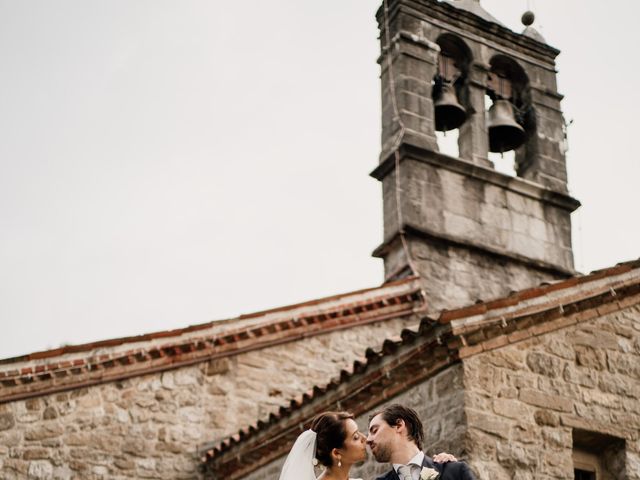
404,472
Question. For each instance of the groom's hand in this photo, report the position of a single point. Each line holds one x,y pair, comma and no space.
444,458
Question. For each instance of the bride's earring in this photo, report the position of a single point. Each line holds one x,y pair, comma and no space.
339,463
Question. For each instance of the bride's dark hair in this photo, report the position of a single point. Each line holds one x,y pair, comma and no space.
330,433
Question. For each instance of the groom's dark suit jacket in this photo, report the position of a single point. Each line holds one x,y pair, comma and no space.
448,471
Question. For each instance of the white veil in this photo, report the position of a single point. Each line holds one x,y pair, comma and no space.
299,462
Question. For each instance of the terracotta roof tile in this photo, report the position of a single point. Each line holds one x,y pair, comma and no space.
109,360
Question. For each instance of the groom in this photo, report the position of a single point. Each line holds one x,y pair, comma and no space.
395,436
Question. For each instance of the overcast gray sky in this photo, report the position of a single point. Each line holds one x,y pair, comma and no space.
166,163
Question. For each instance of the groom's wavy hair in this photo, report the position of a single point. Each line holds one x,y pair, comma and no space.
395,412
330,433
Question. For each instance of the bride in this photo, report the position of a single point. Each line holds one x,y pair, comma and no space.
335,442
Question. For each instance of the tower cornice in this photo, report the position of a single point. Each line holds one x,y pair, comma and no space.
466,23
515,184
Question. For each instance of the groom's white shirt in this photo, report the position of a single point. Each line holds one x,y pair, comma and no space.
415,463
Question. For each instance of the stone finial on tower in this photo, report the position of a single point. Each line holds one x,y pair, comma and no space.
527,19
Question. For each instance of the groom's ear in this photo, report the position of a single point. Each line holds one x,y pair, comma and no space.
400,425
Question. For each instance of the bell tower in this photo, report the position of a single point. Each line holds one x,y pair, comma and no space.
469,231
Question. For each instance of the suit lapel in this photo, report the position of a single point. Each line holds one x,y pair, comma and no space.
427,462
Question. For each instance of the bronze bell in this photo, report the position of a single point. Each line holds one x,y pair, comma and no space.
504,132
448,111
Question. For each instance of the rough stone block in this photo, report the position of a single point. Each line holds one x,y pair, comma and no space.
33,404
100,470
517,202
591,358
490,470
493,215
519,222
546,418
459,225
539,399
557,438
557,466
516,457
7,421
508,358
544,364
125,463
36,453
596,339
167,380
217,367
488,423
560,347
43,431
538,229
50,413
62,473
523,244
417,104
416,123
412,66
495,196
511,409
419,86
580,376
40,469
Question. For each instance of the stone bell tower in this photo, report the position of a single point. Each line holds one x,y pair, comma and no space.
469,231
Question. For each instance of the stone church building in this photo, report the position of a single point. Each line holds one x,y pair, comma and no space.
518,364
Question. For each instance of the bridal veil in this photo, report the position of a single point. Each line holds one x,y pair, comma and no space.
299,462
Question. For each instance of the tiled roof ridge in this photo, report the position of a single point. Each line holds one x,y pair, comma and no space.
537,298
28,380
89,346
462,343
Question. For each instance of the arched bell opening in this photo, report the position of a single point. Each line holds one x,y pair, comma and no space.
449,92
510,120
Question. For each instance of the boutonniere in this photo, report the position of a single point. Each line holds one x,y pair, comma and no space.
429,474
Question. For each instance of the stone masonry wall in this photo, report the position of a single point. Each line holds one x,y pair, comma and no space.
473,229
152,426
523,401
477,211
438,401
456,277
